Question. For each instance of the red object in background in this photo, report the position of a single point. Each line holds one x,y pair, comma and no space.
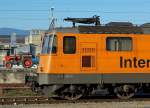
27,63
20,56
24,59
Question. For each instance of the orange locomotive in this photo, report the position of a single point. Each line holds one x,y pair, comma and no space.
84,60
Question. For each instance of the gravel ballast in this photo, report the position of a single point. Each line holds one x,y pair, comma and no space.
136,104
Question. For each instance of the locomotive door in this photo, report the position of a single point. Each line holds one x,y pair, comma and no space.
88,56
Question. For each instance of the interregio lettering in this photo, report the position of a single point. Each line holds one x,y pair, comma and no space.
134,63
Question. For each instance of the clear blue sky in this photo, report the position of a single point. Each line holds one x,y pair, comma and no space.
30,14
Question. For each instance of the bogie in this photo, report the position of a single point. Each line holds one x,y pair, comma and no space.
77,91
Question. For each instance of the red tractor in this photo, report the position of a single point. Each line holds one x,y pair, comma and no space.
24,59
23,55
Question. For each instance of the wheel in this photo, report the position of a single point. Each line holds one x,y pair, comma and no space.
9,65
34,86
27,63
125,91
72,92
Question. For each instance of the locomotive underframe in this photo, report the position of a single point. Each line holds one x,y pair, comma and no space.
122,85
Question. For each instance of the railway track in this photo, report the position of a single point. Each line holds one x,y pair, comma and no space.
45,100
23,100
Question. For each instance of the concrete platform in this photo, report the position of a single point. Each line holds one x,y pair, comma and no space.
9,76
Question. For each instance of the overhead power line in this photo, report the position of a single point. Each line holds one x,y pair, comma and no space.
79,11
22,10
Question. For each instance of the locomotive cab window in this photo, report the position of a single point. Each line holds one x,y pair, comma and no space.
119,44
49,44
69,45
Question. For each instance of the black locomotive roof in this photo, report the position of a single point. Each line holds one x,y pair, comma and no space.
120,24
102,29
146,25
111,29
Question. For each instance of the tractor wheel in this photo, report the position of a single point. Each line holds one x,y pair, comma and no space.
27,63
8,65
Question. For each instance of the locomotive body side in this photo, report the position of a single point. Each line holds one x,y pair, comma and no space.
74,64
93,62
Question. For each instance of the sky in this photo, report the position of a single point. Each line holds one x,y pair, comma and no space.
36,14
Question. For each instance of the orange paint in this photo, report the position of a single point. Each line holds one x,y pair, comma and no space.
102,60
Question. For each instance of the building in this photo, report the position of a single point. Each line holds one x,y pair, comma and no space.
35,38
